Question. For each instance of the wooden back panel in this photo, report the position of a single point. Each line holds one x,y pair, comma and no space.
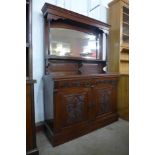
91,68
74,67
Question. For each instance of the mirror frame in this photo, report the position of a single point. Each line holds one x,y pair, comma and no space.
60,17
72,26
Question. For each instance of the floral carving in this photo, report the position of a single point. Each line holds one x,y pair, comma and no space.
104,101
111,82
74,108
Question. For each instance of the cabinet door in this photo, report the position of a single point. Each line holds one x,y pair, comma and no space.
71,106
104,99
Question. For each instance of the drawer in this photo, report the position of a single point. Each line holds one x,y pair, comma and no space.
73,83
102,81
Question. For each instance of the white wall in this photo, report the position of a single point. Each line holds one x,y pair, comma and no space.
105,2
101,11
79,6
37,43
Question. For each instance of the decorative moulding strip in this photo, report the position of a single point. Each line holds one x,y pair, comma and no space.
63,13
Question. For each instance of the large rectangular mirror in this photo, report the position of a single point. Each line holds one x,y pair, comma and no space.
73,43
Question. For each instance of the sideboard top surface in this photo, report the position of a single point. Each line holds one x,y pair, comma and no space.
107,75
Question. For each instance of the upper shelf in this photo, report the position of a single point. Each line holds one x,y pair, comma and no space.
125,50
64,58
124,46
125,23
125,34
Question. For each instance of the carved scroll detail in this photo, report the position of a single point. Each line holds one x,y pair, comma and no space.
104,101
74,107
111,82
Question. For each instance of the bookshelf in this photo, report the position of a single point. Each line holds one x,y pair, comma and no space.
118,56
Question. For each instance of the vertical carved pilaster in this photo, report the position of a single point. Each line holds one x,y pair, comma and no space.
107,47
50,37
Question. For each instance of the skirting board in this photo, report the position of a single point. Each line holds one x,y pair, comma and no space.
33,152
40,126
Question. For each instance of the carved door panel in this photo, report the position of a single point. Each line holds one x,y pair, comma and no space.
104,99
72,106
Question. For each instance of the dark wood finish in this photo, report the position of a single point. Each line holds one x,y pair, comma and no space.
61,18
54,12
31,148
29,39
79,96
64,24
74,67
71,107
105,97
79,104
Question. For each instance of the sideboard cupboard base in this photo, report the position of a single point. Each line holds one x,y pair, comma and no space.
65,136
77,105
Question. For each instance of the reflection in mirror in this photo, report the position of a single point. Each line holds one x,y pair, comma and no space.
67,42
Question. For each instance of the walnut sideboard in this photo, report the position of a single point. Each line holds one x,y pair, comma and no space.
79,96
76,105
